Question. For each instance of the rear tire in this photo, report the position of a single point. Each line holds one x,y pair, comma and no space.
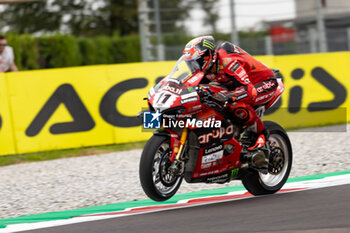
155,181
259,184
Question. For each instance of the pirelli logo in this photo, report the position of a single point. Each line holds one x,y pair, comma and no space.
208,44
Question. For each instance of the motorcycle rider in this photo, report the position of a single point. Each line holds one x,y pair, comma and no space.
249,83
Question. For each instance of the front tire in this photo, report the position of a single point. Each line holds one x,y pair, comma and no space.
258,183
157,183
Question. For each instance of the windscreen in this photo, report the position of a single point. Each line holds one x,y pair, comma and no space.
181,70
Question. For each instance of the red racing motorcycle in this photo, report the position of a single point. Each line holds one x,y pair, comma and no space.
199,141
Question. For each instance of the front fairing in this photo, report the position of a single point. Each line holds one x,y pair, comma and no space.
176,89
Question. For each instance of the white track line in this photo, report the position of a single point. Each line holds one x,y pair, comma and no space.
310,184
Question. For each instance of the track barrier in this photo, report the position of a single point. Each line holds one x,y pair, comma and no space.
97,105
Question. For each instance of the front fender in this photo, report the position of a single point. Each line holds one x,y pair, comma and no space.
162,132
174,141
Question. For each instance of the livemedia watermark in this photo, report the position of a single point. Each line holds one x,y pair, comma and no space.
156,120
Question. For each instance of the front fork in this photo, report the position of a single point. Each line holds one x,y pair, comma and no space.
179,152
177,143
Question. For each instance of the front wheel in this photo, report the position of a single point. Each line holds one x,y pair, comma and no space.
157,180
280,164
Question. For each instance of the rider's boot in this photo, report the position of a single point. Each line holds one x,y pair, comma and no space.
258,140
247,136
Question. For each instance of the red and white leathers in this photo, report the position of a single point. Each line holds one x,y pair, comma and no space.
250,83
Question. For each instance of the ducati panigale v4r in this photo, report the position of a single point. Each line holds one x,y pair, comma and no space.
200,141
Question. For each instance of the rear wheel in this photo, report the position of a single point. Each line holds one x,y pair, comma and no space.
157,180
280,163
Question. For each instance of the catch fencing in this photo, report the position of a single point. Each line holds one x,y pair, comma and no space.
304,43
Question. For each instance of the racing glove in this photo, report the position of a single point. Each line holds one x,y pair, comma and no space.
231,96
222,97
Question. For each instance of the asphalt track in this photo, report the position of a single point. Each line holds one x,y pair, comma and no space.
323,210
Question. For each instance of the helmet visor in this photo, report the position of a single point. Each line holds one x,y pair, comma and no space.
193,65
200,63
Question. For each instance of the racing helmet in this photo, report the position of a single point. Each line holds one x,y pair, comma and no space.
200,54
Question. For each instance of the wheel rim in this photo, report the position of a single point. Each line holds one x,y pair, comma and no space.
274,177
159,174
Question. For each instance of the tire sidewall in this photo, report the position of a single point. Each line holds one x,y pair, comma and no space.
146,166
290,158
252,180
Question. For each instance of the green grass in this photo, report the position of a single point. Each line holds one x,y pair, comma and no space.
59,154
